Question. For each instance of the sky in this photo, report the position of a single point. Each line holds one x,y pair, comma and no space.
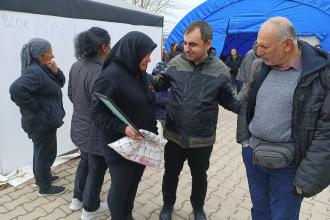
175,15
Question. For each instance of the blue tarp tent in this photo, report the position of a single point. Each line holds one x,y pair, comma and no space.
236,22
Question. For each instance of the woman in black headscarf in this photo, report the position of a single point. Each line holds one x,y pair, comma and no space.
125,81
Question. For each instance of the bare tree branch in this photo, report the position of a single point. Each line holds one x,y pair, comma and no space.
156,6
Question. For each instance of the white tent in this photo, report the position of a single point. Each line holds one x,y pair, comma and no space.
58,21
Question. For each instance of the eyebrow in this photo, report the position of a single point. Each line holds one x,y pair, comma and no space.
191,42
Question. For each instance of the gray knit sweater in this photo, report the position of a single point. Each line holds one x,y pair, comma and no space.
274,103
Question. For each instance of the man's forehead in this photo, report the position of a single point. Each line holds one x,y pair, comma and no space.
267,34
193,34
262,41
268,30
190,39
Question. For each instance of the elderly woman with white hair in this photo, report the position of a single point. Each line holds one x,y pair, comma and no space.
37,92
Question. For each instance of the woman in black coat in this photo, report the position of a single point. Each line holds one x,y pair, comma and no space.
91,49
37,92
234,61
125,81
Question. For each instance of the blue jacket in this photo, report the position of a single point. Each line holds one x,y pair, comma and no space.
161,103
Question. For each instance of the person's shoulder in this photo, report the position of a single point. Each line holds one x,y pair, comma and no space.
216,60
76,65
111,68
258,61
177,60
216,68
33,69
181,64
115,71
92,67
251,52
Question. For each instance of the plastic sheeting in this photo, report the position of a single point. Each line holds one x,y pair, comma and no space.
236,22
25,173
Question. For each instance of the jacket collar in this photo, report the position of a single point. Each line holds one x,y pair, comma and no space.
207,60
312,59
95,59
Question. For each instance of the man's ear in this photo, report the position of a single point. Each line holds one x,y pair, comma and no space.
289,45
208,43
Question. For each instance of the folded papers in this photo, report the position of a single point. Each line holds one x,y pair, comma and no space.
148,151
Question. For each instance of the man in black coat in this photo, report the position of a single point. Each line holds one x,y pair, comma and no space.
199,84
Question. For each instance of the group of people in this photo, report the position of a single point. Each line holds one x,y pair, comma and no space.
283,119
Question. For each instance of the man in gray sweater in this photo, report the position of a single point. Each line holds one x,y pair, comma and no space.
284,123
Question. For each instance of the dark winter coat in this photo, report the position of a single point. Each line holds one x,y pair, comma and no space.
310,119
37,92
234,64
196,92
84,133
130,88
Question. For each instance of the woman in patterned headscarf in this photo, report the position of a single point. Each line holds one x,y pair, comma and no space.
37,92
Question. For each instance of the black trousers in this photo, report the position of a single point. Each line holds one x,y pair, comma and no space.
125,179
198,161
89,180
44,154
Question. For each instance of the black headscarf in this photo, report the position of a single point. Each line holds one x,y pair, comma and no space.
130,50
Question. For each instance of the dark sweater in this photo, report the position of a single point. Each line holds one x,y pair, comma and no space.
234,64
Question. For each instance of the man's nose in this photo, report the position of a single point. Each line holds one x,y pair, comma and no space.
259,51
